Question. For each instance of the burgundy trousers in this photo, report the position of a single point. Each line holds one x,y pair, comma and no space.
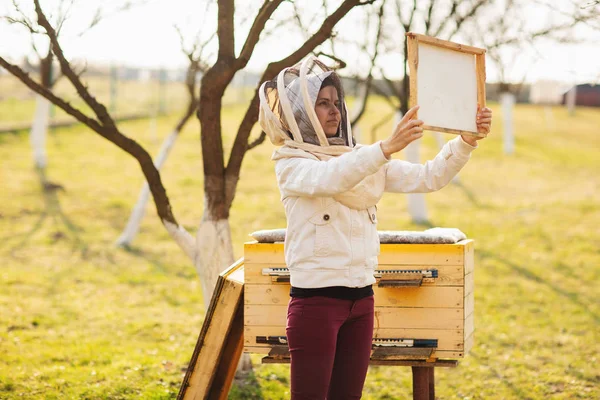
330,346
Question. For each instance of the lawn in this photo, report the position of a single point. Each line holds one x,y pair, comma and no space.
81,319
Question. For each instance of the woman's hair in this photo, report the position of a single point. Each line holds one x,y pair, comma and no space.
328,82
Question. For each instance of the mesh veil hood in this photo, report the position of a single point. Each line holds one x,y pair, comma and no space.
287,109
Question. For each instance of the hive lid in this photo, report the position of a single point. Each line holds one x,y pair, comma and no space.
429,236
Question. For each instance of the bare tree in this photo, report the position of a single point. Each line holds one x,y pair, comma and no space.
493,24
42,48
195,56
212,250
376,16
509,33
45,58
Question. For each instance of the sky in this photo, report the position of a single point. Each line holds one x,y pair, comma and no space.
145,37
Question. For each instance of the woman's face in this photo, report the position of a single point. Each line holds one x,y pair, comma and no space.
327,110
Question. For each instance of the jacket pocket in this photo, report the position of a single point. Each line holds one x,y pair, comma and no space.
373,239
324,222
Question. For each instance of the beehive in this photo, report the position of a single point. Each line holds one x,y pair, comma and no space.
436,313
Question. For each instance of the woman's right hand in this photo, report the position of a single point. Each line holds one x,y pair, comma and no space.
406,131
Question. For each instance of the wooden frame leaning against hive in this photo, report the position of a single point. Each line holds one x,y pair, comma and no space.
447,81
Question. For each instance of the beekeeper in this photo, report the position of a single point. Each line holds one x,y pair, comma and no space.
330,188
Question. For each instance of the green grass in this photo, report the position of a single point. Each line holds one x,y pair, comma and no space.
81,319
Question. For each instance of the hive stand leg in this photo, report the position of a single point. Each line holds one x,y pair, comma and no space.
431,383
423,383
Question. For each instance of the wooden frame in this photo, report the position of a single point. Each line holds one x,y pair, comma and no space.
220,344
413,42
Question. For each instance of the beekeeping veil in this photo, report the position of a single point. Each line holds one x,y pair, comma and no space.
287,115
287,109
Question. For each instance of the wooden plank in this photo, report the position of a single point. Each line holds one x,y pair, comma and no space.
448,354
391,254
427,296
422,318
445,44
469,304
413,62
452,131
227,296
469,283
469,343
255,252
481,76
257,349
439,355
448,275
400,363
447,339
421,254
421,363
469,257
229,360
469,326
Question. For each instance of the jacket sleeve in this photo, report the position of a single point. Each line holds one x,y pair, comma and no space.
406,177
313,178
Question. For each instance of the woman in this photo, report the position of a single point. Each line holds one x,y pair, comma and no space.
329,188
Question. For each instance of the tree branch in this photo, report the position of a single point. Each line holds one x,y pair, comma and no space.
48,94
225,30
258,141
428,19
369,79
66,69
240,145
265,12
461,19
159,194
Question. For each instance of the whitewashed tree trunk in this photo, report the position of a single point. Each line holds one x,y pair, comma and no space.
183,239
137,215
211,252
416,201
571,96
508,103
214,253
39,129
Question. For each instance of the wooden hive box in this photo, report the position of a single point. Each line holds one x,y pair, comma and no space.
431,320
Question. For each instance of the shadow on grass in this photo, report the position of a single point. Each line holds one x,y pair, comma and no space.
573,297
54,211
496,374
467,192
246,389
154,260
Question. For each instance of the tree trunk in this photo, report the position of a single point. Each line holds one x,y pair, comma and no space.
135,219
214,252
508,101
39,128
571,96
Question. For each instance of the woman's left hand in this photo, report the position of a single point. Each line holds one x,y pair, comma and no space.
484,123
